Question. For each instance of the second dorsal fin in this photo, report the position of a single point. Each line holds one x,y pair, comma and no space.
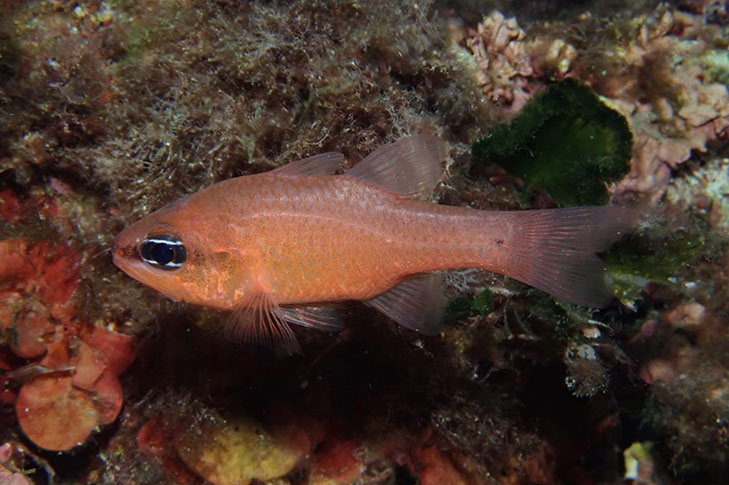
411,166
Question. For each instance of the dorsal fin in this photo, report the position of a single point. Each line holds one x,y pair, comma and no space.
321,164
411,166
417,303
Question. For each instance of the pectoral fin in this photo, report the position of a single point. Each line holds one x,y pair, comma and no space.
417,303
260,322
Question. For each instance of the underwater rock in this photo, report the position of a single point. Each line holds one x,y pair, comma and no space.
639,464
565,141
237,450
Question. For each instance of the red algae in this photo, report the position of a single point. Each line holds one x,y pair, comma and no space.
10,207
39,318
89,367
117,350
435,468
55,415
32,326
335,463
14,263
156,442
108,397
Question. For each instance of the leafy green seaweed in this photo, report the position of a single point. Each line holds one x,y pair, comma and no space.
462,307
636,260
566,141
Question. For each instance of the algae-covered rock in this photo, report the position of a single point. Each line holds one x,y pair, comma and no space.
565,141
237,450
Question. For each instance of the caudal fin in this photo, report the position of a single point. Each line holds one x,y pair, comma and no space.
555,250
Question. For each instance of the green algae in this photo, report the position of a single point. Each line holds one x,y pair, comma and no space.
565,141
637,260
462,307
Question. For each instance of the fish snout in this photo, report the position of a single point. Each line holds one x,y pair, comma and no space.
123,249
116,251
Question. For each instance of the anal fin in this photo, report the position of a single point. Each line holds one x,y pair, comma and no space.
417,303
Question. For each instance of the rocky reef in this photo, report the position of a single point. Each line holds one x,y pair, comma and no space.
110,109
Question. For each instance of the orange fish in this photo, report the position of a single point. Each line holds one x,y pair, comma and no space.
277,247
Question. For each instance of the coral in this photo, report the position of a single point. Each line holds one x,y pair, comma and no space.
534,145
703,190
59,413
503,64
663,88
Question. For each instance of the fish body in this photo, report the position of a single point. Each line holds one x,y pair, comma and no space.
277,247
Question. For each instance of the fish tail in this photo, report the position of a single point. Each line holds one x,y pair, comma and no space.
555,250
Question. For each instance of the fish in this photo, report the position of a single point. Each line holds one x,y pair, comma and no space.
289,245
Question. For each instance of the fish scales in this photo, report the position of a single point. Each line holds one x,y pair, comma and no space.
324,238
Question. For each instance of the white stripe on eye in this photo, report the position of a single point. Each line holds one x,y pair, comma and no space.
164,241
171,264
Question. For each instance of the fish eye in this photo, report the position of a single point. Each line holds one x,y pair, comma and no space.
163,251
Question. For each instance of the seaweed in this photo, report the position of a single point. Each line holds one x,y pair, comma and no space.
462,307
566,141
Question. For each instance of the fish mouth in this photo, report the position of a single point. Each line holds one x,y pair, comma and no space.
121,252
124,253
